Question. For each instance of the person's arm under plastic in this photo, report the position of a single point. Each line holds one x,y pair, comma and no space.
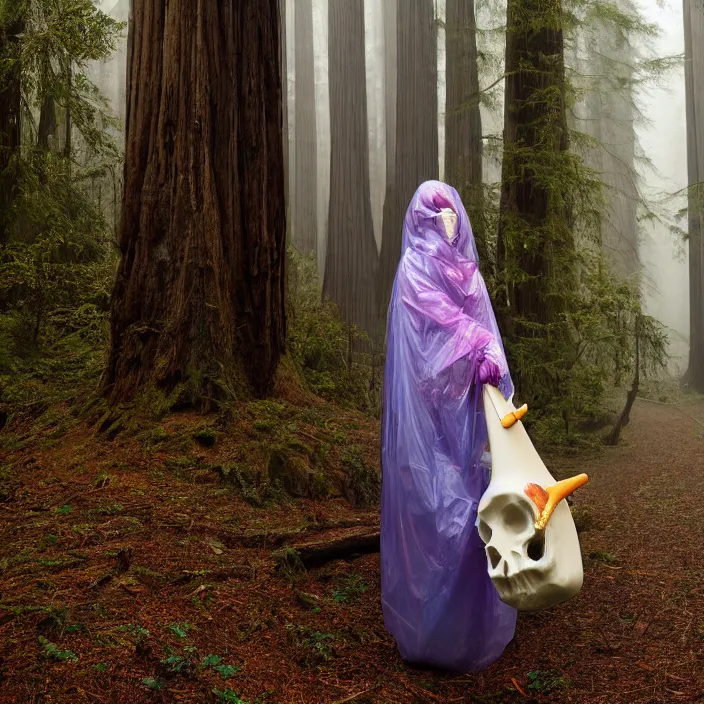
464,336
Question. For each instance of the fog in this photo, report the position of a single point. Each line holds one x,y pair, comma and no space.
663,255
661,137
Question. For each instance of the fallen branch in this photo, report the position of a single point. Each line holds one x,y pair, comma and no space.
258,539
316,554
319,553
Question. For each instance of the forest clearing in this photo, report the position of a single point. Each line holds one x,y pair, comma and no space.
139,565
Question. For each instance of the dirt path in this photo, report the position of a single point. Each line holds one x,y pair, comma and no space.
160,587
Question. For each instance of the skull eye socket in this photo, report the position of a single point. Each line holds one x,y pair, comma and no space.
536,548
515,518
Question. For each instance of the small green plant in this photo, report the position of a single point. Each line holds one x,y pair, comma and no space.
180,629
317,645
63,510
227,671
210,661
351,589
227,696
546,681
51,539
176,664
153,683
101,667
52,651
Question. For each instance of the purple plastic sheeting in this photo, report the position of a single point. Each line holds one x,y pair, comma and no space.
442,344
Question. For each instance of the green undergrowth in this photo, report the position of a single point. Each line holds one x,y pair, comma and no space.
295,445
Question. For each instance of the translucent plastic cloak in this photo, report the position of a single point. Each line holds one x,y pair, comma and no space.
442,344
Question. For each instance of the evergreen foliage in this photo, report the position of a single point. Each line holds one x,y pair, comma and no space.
569,321
57,263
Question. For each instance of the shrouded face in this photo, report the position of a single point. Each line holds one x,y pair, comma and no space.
449,220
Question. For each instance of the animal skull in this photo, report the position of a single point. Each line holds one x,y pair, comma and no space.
530,538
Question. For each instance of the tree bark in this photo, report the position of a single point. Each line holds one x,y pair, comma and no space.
463,122
10,126
416,145
47,122
535,129
351,256
284,102
305,209
694,75
201,280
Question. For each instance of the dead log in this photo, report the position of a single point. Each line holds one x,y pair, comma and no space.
343,548
275,539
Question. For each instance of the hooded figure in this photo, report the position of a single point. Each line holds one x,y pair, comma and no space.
442,345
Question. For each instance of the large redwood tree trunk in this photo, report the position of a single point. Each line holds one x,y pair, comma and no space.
201,281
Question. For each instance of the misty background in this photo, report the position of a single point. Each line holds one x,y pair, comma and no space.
646,135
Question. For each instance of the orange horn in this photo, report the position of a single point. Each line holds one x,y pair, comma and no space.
510,419
547,499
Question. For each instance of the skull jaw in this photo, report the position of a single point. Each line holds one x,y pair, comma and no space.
534,590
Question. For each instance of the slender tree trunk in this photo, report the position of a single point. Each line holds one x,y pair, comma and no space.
625,415
463,122
532,232
67,115
305,230
284,100
694,75
47,122
10,126
416,148
201,280
351,257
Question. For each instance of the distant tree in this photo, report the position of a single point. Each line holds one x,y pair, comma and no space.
416,146
305,213
351,256
463,122
11,26
200,287
694,76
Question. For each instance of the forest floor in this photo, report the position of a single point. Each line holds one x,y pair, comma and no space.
128,574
